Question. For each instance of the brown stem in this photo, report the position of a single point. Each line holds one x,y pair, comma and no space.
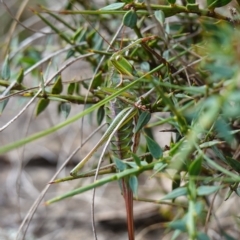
128,197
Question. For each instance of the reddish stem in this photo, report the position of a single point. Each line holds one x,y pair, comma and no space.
128,197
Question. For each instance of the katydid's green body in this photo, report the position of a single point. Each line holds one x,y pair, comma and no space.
121,147
120,117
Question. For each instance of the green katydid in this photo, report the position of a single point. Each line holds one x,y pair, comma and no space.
121,124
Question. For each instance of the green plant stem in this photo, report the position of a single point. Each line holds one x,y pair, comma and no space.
169,10
69,98
118,176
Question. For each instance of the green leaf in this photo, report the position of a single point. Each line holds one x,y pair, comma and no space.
171,1
97,81
71,88
224,131
133,183
176,193
57,87
178,224
202,236
194,7
113,6
65,109
195,167
237,191
42,105
233,163
206,190
159,15
20,76
159,166
176,181
228,194
100,115
142,121
217,3
3,104
210,144
137,160
121,166
191,1
70,53
130,19
154,148
77,34
6,69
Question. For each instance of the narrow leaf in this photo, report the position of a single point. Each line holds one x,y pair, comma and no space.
143,120
130,19
178,224
97,81
3,104
20,76
100,115
42,105
176,181
121,166
210,144
206,190
195,167
6,69
217,3
133,183
71,88
176,193
171,1
202,236
160,16
113,6
65,109
154,148
233,163
57,87
136,159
